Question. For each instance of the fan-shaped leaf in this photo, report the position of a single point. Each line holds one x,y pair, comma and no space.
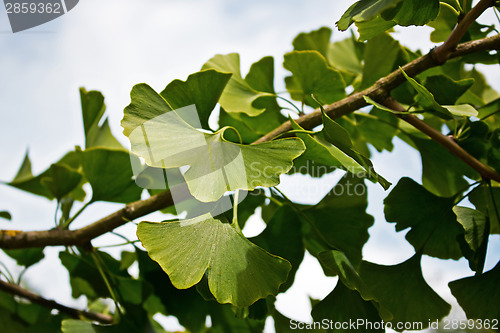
238,271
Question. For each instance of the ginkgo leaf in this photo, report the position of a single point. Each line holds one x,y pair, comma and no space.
426,99
238,271
340,138
312,75
478,295
474,223
364,10
93,108
405,280
168,141
344,305
61,180
335,262
238,95
317,40
110,175
202,89
341,217
434,227
416,12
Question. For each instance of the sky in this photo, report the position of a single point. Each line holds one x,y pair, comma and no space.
111,45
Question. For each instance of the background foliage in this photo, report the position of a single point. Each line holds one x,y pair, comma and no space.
211,261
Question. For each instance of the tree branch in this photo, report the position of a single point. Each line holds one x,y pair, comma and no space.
15,239
381,89
445,141
14,289
442,52
10,239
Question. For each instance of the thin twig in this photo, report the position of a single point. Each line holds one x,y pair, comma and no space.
445,141
14,289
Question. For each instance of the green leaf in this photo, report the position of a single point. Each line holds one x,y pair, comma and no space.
339,137
446,90
475,241
372,28
486,204
259,77
317,40
187,305
93,108
238,95
416,12
442,172
169,142
341,217
26,257
110,174
447,111
443,24
478,295
283,237
202,89
344,305
146,104
38,185
364,10
225,319
346,55
24,180
312,75
404,280
335,262
380,106
381,54
474,224
61,180
238,271
5,215
434,228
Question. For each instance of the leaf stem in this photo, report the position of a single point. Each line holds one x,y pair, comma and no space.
71,219
235,223
291,103
308,220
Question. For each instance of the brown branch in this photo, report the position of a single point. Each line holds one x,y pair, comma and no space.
14,289
442,52
10,239
14,239
381,89
445,141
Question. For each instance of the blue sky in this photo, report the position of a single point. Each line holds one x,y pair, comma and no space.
112,45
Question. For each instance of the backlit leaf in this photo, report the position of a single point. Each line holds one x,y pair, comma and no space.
238,271
312,75
169,142
238,95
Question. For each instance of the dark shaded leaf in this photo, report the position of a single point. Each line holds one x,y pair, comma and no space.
405,280
478,295
434,227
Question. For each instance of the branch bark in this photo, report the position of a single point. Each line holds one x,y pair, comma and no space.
10,239
443,140
14,289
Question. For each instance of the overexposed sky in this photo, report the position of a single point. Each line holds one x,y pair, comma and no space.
110,45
